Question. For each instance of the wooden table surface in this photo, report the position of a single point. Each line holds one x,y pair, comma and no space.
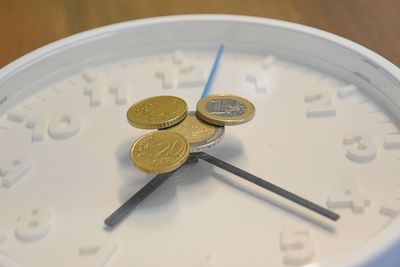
29,24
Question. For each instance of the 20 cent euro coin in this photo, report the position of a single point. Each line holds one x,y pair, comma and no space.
160,152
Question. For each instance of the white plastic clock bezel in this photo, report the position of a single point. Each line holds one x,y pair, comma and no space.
310,46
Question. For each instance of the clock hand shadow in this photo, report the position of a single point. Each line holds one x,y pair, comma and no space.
275,203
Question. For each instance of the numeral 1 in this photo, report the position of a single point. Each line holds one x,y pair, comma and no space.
121,93
96,91
38,126
167,78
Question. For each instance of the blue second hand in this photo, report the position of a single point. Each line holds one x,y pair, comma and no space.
213,72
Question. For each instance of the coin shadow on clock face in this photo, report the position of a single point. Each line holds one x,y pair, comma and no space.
123,153
229,149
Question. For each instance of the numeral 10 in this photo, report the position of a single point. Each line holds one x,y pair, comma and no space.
60,126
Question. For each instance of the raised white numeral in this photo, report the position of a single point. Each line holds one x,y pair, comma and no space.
320,105
190,76
95,90
361,148
13,171
38,126
349,196
167,78
392,142
121,93
64,126
61,126
187,76
103,253
33,225
258,80
257,76
298,247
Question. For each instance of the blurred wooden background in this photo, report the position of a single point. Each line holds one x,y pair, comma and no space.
28,24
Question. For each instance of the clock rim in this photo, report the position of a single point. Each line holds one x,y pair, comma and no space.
379,247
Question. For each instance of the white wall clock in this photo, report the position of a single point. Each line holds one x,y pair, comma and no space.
326,128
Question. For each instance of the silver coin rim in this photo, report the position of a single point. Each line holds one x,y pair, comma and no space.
211,141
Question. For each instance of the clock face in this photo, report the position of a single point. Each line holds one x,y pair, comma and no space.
326,128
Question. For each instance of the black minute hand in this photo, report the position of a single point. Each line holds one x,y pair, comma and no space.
267,185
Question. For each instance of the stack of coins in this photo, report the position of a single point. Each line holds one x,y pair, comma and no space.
182,132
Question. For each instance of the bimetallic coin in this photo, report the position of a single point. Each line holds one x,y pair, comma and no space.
199,134
160,152
225,109
157,112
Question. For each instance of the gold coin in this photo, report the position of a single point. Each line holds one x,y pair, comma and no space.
199,134
225,109
160,152
157,112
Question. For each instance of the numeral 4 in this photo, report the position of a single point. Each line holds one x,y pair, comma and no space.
349,196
